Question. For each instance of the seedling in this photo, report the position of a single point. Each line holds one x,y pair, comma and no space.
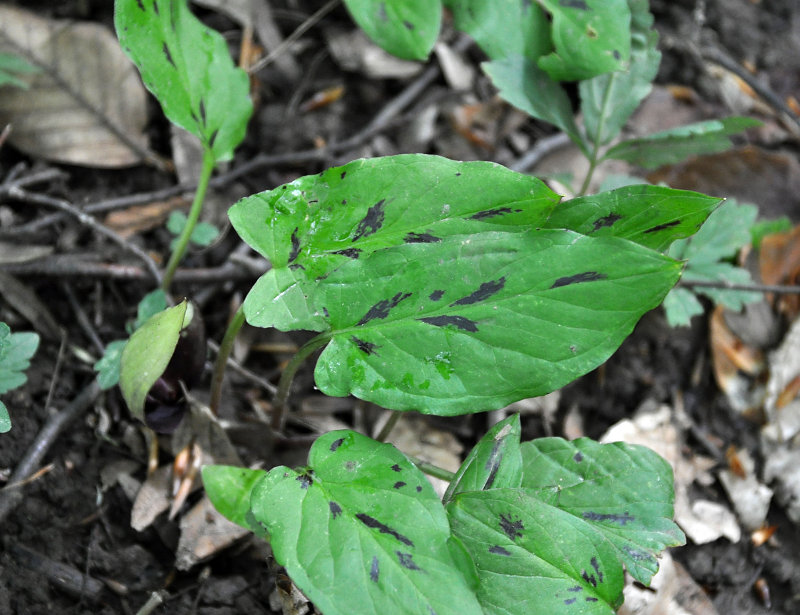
16,350
13,70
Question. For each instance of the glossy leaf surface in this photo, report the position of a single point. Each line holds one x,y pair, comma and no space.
406,29
229,489
189,69
591,37
677,144
472,323
147,354
361,531
652,216
504,28
608,100
624,491
317,223
493,463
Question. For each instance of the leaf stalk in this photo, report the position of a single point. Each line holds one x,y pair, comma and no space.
287,377
225,348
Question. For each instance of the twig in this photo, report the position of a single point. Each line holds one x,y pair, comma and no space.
82,318
542,148
244,372
756,288
11,497
87,220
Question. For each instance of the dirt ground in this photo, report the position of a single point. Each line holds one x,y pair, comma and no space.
68,545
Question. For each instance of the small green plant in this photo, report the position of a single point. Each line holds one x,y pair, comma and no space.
13,70
16,350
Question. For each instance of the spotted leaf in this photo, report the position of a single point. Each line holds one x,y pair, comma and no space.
361,531
189,69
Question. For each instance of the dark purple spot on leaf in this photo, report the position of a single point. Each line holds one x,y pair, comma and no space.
374,524
459,322
167,54
622,519
636,555
381,309
353,253
485,290
350,465
616,54
605,221
399,484
343,175
575,588
139,3
213,138
408,25
570,600
577,457
397,468
491,213
336,510
374,571
596,567
436,295
512,529
407,561
498,550
574,4
295,245
664,226
336,444
421,238
155,7
589,578
326,312
419,488
591,599
344,201
586,276
365,347
304,480
372,221
493,465
202,108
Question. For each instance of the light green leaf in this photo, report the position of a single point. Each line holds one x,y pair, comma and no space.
652,216
406,29
725,232
15,354
493,463
151,304
147,354
317,223
533,558
203,234
5,420
362,532
726,273
504,28
607,101
189,69
591,37
108,366
475,322
526,86
681,305
229,489
624,491
677,144
12,70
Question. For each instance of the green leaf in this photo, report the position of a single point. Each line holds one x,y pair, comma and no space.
16,351
229,490
526,86
108,366
406,29
203,234
12,69
677,144
725,232
474,322
624,491
726,273
504,28
681,305
533,558
151,304
607,101
189,69
763,228
652,216
317,223
362,531
5,420
493,463
147,354
591,37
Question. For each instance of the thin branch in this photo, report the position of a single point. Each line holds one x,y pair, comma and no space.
756,288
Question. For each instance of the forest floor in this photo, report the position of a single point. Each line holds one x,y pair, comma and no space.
67,541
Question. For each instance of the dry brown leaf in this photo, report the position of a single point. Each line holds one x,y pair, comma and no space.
204,532
127,222
86,86
779,263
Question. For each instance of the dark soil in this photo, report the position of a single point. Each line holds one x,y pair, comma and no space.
68,547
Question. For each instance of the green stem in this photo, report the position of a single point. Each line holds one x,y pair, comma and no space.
225,348
194,215
432,470
388,426
601,124
287,377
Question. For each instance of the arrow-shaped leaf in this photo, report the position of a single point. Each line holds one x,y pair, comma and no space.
361,531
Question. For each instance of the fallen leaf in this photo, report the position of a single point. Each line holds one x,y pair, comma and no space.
140,218
204,532
750,498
